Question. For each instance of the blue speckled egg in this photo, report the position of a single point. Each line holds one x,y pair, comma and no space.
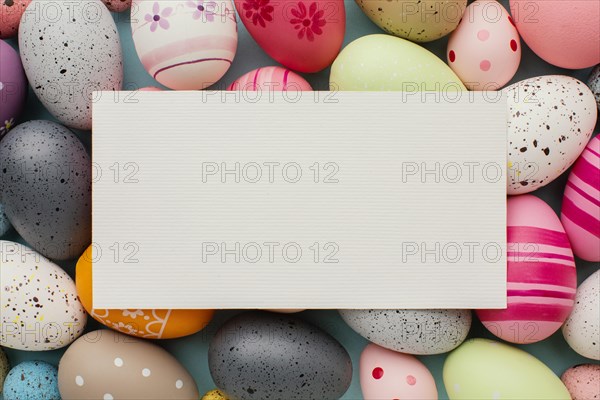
32,380
4,222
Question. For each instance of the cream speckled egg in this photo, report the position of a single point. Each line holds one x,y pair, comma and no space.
583,381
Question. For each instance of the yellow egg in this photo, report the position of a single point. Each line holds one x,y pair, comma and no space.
214,394
147,323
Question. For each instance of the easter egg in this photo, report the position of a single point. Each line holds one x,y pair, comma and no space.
4,222
582,328
417,21
40,308
69,55
185,44
411,331
303,35
4,368
46,188
13,87
10,16
32,380
581,203
550,121
594,84
258,355
385,374
270,79
105,364
383,62
214,394
148,323
117,5
583,381
548,28
541,275
485,53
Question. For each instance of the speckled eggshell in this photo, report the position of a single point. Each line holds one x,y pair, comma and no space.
582,329
69,56
545,27
541,275
46,188
117,5
146,323
583,381
270,79
214,394
10,16
40,308
303,35
383,62
32,380
386,374
550,121
105,365
185,44
4,368
415,20
4,222
13,87
258,355
411,331
485,51
594,84
581,203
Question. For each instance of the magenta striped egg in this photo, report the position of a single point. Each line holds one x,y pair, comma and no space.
271,79
581,203
541,276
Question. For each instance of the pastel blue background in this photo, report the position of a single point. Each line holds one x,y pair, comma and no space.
192,351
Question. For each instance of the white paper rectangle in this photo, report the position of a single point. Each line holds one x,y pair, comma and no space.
312,200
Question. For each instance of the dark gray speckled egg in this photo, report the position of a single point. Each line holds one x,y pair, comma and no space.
4,222
46,188
265,356
594,84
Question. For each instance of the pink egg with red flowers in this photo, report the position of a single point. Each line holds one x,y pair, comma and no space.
541,276
271,79
485,50
581,203
303,35
10,16
185,44
386,374
565,33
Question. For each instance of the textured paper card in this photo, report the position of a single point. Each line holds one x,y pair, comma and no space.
307,200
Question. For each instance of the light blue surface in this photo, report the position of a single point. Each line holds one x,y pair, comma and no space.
192,351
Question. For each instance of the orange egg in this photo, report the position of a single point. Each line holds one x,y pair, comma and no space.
148,323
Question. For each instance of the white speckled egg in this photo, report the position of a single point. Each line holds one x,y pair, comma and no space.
69,50
594,84
185,44
4,222
411,331
108,365
550,121
40,308
582,328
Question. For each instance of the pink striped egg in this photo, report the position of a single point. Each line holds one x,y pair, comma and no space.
541,276
185,44
271,79
581,203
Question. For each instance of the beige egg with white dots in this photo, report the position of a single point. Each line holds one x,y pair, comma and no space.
108,365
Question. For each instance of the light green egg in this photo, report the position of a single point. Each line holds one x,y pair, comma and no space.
388,63
485,369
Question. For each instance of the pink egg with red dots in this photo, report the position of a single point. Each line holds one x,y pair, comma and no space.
485,50
10,16
386,374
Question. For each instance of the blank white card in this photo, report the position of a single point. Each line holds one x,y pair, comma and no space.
299,200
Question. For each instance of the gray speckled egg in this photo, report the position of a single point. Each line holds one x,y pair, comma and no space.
4,222
40,308
258,355
32,380
594,84
4,368
550,121
582,328
46,188
70,49
411,331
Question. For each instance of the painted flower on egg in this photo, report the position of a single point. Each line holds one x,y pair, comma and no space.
159,18
259,11
206,8
309,21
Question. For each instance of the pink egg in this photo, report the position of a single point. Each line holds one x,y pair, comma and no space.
485,50
117,5
150,89
386,374
565,33
541,276
271,79
581,203
583,381
185,44
303,35
13,87
10,16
